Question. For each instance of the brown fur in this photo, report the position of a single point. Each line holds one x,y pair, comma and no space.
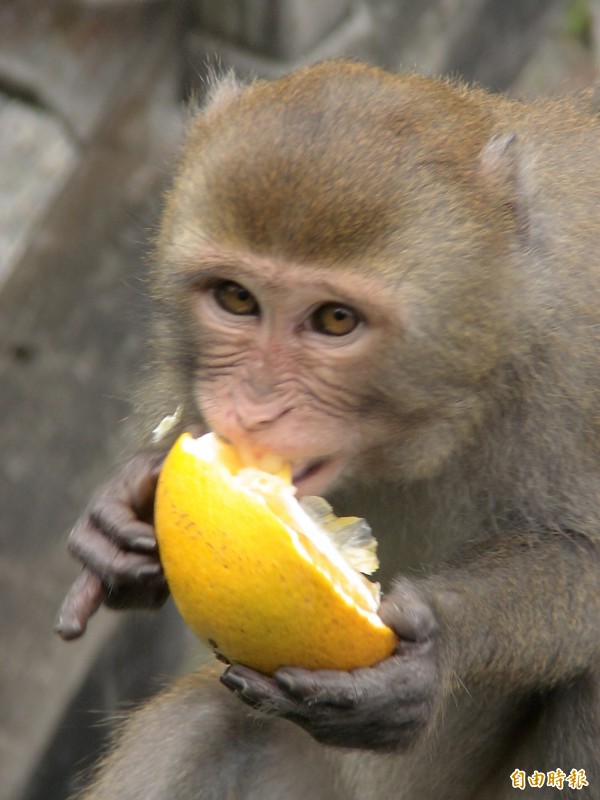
468,227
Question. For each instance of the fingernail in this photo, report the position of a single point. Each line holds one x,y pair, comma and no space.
149,570
144,543
233,682
67,630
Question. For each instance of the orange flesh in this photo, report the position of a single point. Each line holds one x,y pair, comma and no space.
251,572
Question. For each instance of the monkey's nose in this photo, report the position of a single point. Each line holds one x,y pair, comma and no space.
257,416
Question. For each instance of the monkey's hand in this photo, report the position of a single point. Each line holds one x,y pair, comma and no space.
115,541
380,708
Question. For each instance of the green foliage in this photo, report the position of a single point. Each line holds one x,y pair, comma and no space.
578,21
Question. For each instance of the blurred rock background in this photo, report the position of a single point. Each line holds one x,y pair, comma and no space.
91,99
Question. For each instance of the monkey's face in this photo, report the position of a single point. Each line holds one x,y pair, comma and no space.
348,370
282,365
346,296
337,371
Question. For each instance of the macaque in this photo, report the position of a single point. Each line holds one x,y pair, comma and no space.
393,283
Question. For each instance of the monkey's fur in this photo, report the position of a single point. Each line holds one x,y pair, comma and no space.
466,230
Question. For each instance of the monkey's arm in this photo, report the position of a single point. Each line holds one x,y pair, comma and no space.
115,541
517,616
520,610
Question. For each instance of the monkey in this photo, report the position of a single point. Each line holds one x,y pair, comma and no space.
392,282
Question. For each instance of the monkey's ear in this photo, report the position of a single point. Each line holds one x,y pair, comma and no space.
499,166
221,89
498,159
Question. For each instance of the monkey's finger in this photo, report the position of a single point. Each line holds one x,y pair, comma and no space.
247,682
116,566
408,614
319,687
82,601
259,691
119,523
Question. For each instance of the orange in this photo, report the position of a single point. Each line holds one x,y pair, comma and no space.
253,572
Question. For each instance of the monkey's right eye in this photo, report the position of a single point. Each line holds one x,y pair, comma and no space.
235,299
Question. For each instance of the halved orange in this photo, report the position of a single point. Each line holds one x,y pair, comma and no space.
254,573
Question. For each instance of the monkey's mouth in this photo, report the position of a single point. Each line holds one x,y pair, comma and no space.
314,476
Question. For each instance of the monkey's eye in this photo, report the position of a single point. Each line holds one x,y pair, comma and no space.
333,319
235,298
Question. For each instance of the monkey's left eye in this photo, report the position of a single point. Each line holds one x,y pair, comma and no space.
333,319
235,299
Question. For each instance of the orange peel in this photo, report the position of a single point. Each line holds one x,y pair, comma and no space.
258,576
